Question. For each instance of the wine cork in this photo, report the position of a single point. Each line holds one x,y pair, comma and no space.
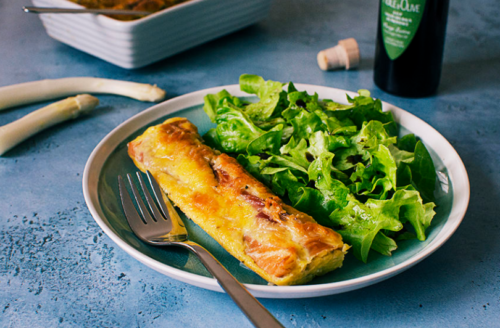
344,54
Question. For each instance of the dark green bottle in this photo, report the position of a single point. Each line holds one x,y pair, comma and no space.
410,44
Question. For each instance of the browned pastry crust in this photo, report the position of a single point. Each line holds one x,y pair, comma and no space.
281,244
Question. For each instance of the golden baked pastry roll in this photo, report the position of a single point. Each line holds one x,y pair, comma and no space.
282,245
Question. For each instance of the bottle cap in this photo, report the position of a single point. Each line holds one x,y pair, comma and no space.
344,54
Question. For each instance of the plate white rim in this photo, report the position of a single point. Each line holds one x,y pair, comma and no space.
453,163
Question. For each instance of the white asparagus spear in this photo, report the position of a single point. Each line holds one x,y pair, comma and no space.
30,92
20,130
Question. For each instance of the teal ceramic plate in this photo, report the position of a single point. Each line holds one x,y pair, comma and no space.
110,159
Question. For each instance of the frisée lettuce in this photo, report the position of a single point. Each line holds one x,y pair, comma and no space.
343,164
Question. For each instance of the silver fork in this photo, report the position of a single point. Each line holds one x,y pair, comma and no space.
165,228
45,10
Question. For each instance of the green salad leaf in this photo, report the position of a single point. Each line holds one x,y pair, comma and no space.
213,102
234,131
423,172
384,244
343,164
359,223
269,142
407,142
270,93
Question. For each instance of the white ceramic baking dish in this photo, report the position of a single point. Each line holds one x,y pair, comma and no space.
133,44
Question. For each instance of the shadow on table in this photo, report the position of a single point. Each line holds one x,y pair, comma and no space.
459,77
207,54
366,64
469,75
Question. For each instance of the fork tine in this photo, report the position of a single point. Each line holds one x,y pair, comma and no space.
154,209
159,196
144,210
134,219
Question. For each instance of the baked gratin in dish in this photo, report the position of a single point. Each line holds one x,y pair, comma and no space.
281,244
139,5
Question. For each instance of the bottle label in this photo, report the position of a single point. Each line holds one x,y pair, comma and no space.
400,20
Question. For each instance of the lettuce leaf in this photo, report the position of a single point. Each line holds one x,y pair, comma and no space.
317,203
270,93
383,244
359,223
415,166
252,165
305,124
378,178
280,162
401,156
407,143
364,109
269,142
334,191
340,163
423,172
234,130
367,140
213,101
297,151
298,101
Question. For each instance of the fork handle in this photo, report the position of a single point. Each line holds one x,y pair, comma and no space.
249,305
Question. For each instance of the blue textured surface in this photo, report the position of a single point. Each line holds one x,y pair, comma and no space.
57,268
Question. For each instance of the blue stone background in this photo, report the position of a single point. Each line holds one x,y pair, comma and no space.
57,268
